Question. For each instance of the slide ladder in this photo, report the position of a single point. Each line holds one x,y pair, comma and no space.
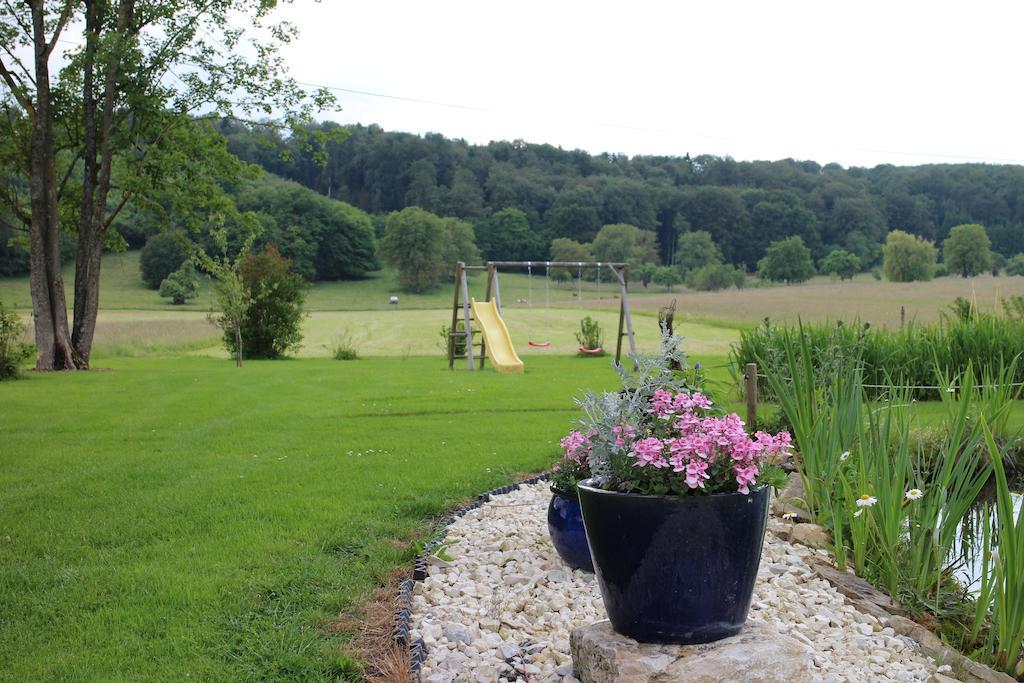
496,336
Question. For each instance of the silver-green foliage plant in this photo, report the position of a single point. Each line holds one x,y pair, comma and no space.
660,434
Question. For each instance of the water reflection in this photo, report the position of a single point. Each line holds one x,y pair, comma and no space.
967,550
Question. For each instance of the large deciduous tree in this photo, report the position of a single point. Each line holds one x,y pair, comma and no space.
112,120
908,257
967,250
787,260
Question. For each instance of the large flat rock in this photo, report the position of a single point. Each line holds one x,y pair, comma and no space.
758,653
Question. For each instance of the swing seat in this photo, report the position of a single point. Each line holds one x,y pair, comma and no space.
539,345
591,352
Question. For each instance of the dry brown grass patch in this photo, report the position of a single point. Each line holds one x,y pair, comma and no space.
374,645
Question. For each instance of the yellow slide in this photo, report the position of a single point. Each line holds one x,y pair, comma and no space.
499,343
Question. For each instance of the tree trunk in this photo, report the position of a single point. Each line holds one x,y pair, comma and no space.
87,260
49,307
98,165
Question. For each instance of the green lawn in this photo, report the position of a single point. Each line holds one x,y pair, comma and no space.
171,517
178,518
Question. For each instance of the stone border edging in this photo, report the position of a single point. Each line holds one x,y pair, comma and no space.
403,613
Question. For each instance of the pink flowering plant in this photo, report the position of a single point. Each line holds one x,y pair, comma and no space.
658,435
681,447
574,466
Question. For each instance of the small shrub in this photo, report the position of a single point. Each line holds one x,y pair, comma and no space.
181,285
344,347
666,276
715,276
272,324
162,255
1015,265
589,335
459,338
13,351
941,270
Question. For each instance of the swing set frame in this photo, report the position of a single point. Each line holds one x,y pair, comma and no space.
460,305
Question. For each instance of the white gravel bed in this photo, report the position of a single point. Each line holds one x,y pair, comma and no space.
504,607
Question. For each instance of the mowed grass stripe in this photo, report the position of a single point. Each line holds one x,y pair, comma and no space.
182,519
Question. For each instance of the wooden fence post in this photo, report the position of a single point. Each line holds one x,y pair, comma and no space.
751,377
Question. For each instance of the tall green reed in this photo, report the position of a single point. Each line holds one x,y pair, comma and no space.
908,356
1007,592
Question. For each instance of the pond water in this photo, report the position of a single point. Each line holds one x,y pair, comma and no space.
969,572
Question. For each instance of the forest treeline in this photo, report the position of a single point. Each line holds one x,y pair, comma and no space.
745,206
529,201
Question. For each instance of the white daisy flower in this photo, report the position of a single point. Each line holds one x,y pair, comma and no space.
866,501
914,494
844,456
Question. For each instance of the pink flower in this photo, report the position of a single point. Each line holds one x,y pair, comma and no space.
649,451
623,432
576,447
696,473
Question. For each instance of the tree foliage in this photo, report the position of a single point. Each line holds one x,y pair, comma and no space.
715,276
507,236
424,247
565,249
162,255
181,285
13,351
841,263
908,257
624,243
271,323
666,276
696,250
787,260
967,250
115,124
326,239
1015,265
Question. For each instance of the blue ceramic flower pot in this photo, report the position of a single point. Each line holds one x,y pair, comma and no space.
565,524
675,569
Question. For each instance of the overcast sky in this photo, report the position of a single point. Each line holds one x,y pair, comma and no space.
860,83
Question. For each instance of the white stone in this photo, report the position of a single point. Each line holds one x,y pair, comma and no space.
507,596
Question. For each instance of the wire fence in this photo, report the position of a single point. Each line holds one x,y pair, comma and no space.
919,387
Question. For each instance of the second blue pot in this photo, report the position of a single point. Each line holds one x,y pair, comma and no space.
565,524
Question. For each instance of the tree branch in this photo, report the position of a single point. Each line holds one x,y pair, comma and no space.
17,89
67,174
26,29
25,71
125,198
65,16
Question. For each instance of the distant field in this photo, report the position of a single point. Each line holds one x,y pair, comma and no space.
388,333
820,299
121,288
534,306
